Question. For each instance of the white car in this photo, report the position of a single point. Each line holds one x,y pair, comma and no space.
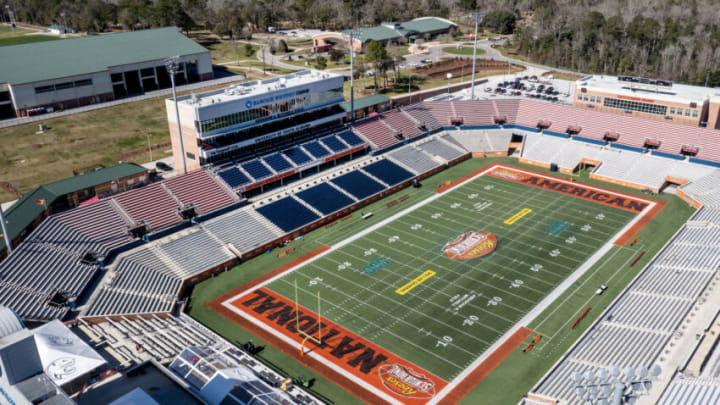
488,89
601,290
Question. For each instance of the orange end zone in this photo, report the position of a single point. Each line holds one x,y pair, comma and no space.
356,356
482,371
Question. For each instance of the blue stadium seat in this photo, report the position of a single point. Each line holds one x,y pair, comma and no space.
388,172
234,177
297,156
316,149
350,138
358,185
256,169
277,162
333,143
325,198
288,214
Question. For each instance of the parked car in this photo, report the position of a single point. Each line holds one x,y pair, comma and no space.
163,166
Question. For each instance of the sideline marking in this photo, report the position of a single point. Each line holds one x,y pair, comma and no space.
461,380
415,282
517,216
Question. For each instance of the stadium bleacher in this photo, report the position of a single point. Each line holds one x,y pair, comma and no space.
376,132
288,214
277,162
388,172
659,298
298,156
437,147
234,177
333,143
317,150
415,159
358,184
350,138
325,198
256,169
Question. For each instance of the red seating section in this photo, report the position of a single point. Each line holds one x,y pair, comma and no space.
200,189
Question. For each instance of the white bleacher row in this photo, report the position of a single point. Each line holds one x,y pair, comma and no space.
663,313
147,279
642,169
691,391
479,140
706,189
437,147
636,327
413,158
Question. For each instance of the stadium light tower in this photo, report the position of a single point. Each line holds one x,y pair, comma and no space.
8,240
352,34
613,387
172,65
478,16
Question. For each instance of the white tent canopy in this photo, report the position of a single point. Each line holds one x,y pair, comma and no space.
64,356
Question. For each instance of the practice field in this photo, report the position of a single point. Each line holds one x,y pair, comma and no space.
412,305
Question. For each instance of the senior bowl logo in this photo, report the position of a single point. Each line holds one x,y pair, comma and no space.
406,382
471,245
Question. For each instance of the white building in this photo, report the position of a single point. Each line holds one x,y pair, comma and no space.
54,75
224,124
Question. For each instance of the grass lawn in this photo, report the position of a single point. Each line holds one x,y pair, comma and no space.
330,64
563,76
82,141
26,39
510,52
465,50
231,51
354,295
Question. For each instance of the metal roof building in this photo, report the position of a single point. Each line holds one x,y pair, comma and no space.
388,33
45,76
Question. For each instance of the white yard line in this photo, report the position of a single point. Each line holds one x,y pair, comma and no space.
536,311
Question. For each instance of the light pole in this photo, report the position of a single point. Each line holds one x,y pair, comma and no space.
478,16
64,33
172,66
11,15
352,77
449,76
8,239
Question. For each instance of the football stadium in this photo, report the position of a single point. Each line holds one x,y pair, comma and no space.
494,251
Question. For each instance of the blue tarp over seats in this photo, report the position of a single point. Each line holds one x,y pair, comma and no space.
351,138
234,177
358,185
297,156
256,169
287,214
316,149
334,143
325,198
277,162
388,172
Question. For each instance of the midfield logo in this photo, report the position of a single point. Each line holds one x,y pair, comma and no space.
406,382
471,245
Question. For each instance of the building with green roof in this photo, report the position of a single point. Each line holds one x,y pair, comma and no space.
387,33
366,105
47,76
35,205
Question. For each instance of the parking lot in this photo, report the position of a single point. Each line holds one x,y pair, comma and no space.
529,87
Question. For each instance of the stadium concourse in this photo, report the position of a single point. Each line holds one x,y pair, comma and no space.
135,255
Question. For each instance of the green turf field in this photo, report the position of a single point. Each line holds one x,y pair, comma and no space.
450,319
523,368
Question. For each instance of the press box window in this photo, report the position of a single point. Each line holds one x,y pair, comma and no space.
44,89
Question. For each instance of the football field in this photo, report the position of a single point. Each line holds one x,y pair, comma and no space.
418,299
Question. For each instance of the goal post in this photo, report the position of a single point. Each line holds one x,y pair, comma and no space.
316,339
